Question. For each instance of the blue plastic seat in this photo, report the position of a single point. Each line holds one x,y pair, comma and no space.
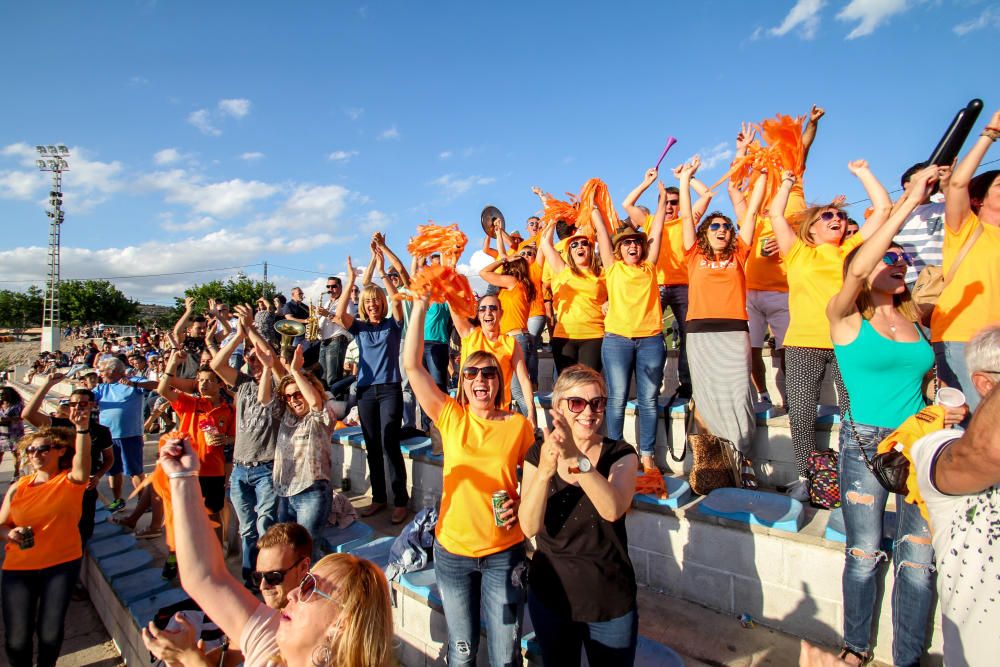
415,446
827,414
112,545
678,494
423,583
144,609
754,507
105,530
124,563
139,585
377,551
350,435
341,540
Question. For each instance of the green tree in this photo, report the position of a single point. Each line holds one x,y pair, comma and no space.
240,289
21,309
95,301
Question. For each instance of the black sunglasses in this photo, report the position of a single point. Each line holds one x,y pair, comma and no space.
577,404
632,240
716,226
581,243
827,216
42,449
272,577
294,395
489,372
893,256
489,308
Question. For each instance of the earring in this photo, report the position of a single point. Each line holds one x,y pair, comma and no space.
322,655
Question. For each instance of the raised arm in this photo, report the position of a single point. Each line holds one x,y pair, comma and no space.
314,395
426,392
603,238
395,306
488,247
366,277
164,388
783,232
181,325
265,389
635,214
653,244
462,325
394,260
345,318
749,220
809,133
743,140
220,360
687,172
881,203
80,471
870,253
490,275
957,205
32,411
524,379
548,250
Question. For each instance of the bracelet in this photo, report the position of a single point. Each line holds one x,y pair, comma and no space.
183,473
991,133
79,432
166,374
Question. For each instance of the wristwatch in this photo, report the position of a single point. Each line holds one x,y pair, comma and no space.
583,465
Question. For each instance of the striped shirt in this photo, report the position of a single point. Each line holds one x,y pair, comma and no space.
922,237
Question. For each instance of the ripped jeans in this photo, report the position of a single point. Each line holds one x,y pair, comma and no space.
863,501
493,585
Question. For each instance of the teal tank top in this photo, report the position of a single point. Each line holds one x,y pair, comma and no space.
883,377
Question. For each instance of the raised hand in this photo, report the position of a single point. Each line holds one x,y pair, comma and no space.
298,359
177,455
816,113
350,269
80,418
922,182
651,175
856,166
189,304
745,137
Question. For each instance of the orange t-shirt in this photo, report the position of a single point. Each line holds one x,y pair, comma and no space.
481,456
671,269
577,301
538,305
972,298
502,348
717,290
767,272
815,274
192,411
516,307
53,510
633,300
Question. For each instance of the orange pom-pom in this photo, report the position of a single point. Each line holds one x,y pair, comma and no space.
651,483
442,284
595,193
432,239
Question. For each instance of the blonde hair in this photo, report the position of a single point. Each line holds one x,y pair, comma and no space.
372,291
577,375
806,218
62,437
902,302
288,379
481,355
364,634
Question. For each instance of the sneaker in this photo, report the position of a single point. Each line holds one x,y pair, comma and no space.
169,572
799,490
116,505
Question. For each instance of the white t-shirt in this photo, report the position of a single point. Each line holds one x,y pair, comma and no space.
258,641
922,236
965,532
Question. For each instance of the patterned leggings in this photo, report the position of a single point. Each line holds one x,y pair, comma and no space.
804,368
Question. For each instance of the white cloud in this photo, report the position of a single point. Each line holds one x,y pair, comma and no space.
342,156
202,119
309,207
88,183
223,199
870,14
444,155
804,16
354,113
139,81
251,156
719,153
990,18
193,225
237,108
375,221
391,133
21,184
167,156
454,186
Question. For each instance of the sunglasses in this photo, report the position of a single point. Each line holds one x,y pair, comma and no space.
673,202
526,253
716,226
632,241
827,216
333,286
489,372
297,395
582,243
577,404
42,449
892,257
78,404
308,587
488,309
273,577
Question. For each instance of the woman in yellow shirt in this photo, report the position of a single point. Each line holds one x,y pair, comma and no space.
814,260
578,297
479,556
971,300
633,326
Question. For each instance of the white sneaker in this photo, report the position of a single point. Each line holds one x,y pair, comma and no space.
799,490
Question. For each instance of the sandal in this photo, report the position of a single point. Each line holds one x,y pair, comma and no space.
123,523
864,658
149,533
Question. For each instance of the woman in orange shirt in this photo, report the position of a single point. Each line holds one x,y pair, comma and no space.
718,338
814,259
578,297
479,556
971,300
38,521
633,326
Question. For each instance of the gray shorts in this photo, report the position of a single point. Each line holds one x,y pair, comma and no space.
767,309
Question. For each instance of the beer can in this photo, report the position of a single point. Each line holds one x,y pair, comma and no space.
763,242
27,538
500,498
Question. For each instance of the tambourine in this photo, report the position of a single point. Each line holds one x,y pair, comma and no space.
491,213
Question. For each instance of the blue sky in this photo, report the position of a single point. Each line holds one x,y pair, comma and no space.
210,135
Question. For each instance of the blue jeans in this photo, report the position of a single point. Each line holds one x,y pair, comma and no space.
863,501
251,489
621,356
310,509
560,639
492,584
952,371
331,358
676,297
35,602
536,325
516,390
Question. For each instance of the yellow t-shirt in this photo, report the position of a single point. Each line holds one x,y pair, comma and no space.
502,348
516,307
767,272
577,301
481,456
671,266
815,274
538,305
633,300
972,298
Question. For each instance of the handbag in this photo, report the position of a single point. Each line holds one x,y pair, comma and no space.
716,463
931,281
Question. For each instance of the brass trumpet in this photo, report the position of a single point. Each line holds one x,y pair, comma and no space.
288,329
312,327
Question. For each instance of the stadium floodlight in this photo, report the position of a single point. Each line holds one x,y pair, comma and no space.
53,151
62,149
41,150
53,159
40,163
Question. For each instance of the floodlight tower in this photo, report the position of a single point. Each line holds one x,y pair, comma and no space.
53,159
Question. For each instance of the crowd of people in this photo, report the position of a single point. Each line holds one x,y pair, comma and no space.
250,415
